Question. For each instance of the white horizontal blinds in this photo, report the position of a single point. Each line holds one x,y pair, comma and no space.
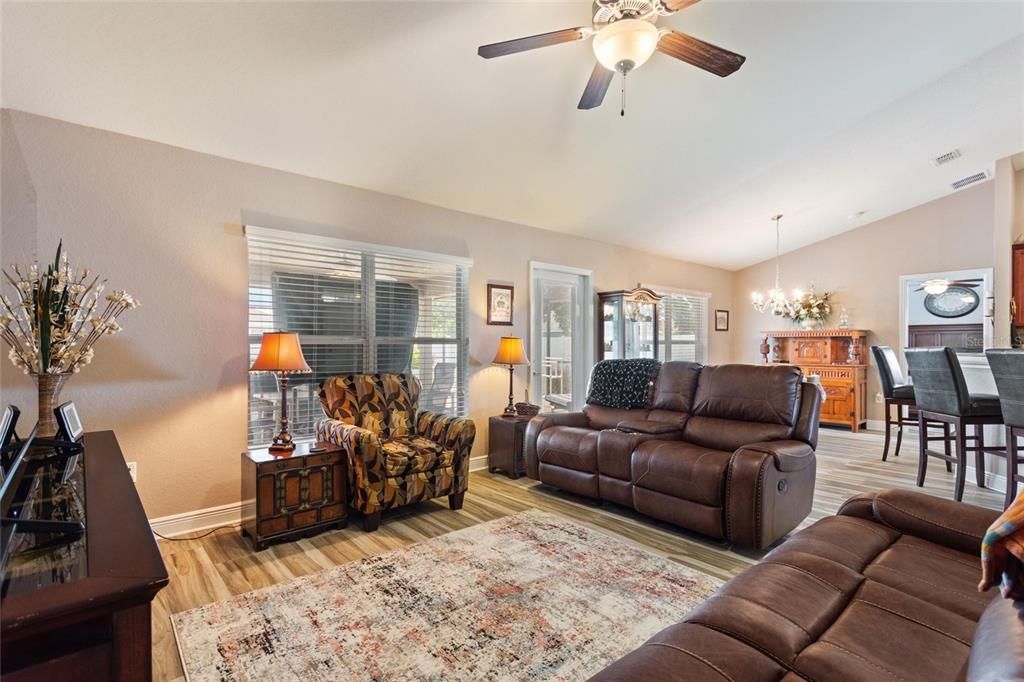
418,317
683,327
355,311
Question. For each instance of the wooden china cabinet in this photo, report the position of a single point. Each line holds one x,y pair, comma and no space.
837,357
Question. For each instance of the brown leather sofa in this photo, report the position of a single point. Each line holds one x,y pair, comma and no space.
884,590
727,451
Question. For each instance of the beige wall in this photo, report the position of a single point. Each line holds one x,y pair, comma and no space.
165,224
863,267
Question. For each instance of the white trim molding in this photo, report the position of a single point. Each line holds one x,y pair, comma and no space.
336,243
231,514
200,519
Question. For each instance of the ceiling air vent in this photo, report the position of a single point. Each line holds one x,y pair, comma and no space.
970,180
947,157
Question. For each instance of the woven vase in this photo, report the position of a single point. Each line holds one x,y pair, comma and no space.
49,386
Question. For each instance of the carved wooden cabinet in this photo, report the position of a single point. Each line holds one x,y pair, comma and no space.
837,357
284,498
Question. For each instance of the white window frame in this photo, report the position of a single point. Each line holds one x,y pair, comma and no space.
705,344
368,340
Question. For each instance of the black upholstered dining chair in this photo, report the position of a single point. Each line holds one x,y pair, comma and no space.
1008,370
898,393
942,396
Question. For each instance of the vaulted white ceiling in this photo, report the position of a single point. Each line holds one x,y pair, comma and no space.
839,108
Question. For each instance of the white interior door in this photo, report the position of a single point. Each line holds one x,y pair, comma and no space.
561,336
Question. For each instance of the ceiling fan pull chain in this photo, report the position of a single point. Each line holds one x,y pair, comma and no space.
622,111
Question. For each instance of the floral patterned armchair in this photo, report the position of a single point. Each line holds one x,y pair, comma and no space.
397,455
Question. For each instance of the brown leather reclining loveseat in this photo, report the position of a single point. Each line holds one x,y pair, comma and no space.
884,590
727,450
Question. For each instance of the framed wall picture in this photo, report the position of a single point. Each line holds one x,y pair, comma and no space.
69,426
499,304
721,320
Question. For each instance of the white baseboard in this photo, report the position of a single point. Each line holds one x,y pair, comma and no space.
200,519
231,514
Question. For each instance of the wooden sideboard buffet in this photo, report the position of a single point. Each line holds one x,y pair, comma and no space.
837,357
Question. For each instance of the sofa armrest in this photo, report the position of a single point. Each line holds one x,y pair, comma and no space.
365,461
769,489
945,522
538,424
787,455
453,433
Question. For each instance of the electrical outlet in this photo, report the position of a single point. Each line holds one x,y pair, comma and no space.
133,469
879,399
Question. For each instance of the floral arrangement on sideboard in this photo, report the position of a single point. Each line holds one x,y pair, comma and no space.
809,309
59,315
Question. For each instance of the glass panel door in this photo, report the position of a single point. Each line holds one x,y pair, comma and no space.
560,338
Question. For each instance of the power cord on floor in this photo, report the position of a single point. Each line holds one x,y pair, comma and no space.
197,537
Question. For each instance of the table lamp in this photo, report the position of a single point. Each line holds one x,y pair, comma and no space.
281,354
511,353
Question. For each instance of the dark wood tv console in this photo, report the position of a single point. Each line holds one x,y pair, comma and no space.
88,616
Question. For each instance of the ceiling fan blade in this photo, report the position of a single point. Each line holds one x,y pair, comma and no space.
597,86
677,5
711,58
566,35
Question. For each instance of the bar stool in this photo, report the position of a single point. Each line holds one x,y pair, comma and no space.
898,392
1008,370
942,396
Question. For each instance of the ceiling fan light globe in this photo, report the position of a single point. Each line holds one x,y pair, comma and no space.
625,41
936,286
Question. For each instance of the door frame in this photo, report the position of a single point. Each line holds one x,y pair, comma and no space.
583,344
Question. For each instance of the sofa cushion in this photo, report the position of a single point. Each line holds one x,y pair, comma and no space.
875,636
749,393
675,386
615,450
704,654
339,400
570,447
600,417
401,395
372,407
730,434
624,384
648,426
409,455
933,573
682,470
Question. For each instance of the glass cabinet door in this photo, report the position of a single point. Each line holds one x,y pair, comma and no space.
611,329
640,329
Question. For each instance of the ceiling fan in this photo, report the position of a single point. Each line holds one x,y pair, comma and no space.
625,36
940,286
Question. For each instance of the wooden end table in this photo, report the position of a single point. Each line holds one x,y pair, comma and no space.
293,496
506,445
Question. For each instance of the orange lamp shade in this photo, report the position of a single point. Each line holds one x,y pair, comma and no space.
511,352
280,352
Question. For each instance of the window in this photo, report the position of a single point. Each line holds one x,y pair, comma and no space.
683,327
356,308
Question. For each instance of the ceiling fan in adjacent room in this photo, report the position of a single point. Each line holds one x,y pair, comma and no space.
625,36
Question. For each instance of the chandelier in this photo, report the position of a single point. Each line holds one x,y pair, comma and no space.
775,300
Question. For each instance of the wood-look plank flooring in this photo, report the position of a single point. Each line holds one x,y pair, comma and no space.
223,564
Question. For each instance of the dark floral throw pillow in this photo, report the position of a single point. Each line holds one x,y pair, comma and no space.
624,384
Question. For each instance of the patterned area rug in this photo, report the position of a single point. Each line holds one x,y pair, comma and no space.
529,596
